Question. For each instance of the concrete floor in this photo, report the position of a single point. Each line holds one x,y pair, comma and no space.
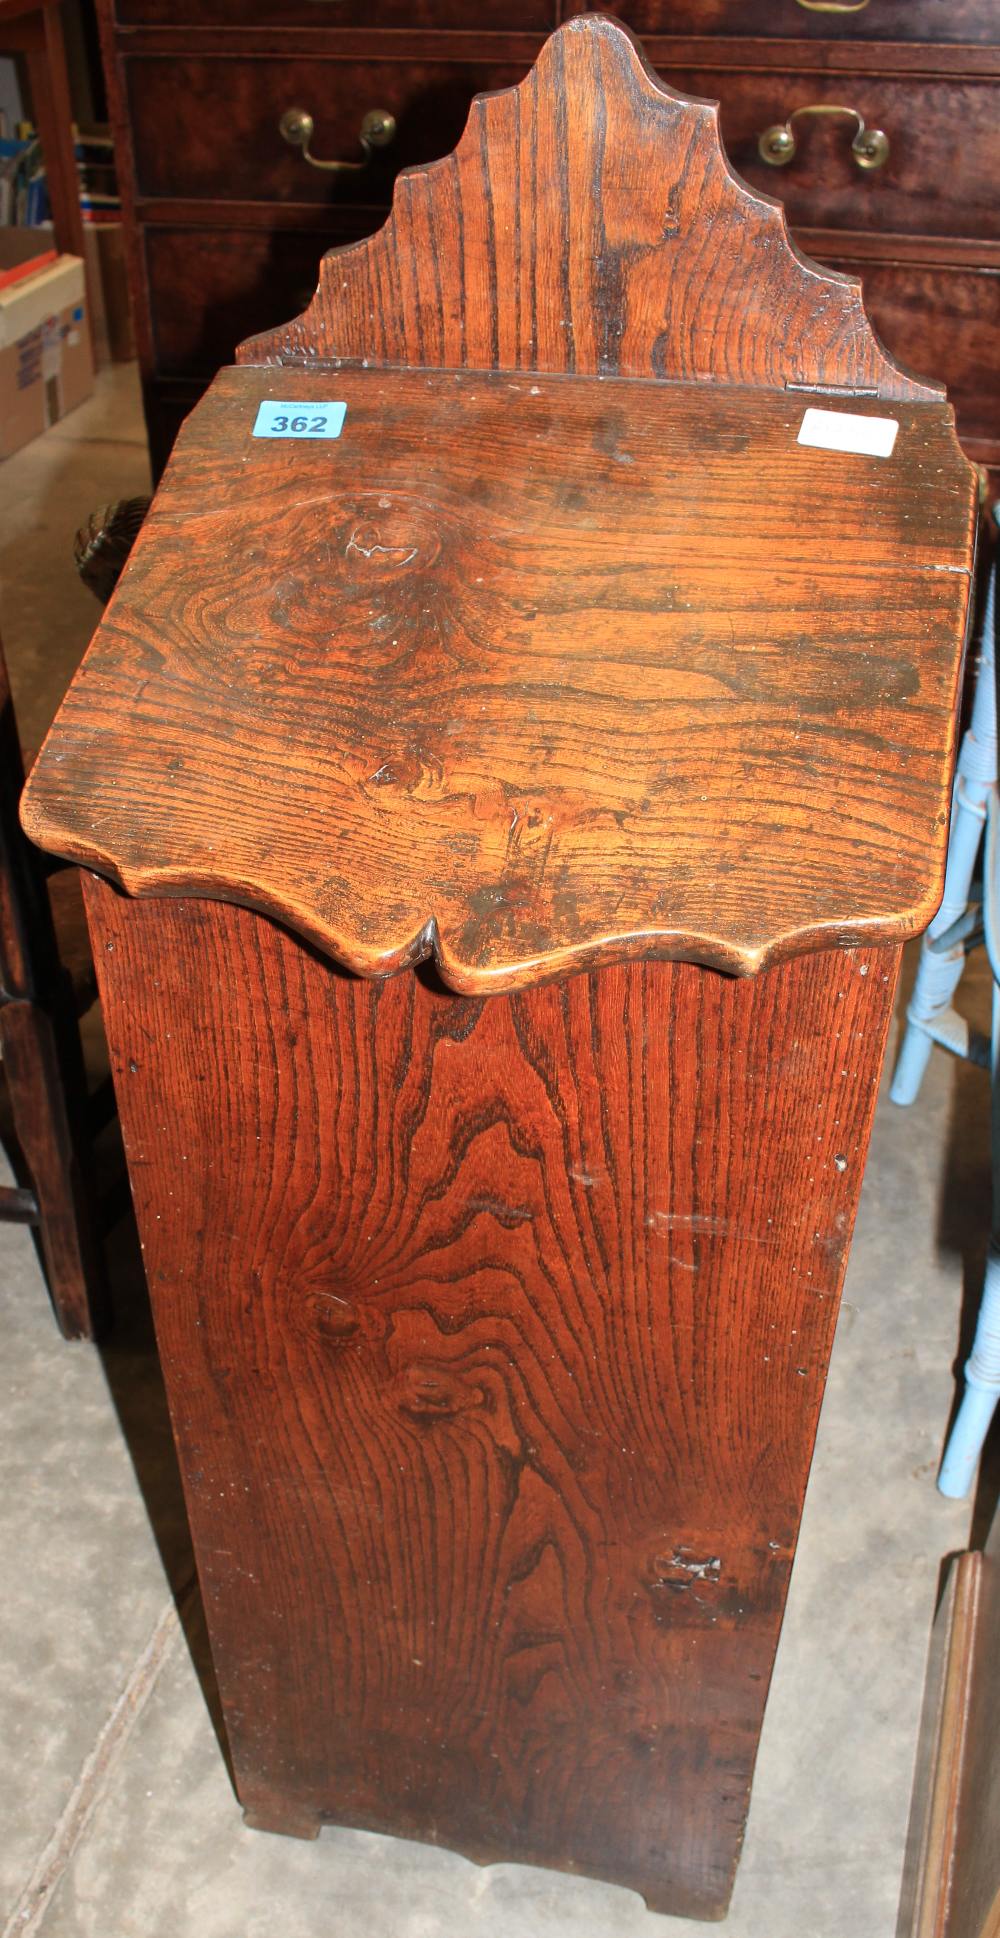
118,1816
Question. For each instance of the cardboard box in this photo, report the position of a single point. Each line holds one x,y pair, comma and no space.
46,367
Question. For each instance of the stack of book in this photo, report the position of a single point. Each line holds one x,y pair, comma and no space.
24,204
98,176
24,201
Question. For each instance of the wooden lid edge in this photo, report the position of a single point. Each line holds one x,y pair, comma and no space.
723,952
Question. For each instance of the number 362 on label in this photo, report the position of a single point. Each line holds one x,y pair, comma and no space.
299,420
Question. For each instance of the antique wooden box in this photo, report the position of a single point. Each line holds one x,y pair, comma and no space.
504,818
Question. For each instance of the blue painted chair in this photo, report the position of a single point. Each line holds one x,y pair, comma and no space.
961,923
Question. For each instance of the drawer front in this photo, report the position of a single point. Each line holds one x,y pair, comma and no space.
207,127
494,16
977,21
943,324
210,288
943,167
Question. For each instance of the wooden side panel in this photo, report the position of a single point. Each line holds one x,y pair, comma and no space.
975,1901
495,1333
951,1882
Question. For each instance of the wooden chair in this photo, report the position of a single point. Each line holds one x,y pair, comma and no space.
46,984
969,915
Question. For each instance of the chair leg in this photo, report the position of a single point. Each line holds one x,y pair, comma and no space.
930,1018
982,1370
982,1391
47,1087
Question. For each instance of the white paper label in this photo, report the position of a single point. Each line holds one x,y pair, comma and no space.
844,430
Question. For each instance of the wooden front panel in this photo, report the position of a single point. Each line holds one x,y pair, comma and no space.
939,179
209,287
905,20
944,323
947,21
208,127
166,403
495,1333
493,16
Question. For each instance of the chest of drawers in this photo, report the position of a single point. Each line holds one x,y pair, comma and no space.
227,218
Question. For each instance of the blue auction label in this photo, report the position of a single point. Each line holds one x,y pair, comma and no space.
300,420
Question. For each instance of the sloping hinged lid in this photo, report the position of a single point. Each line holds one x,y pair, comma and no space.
557,661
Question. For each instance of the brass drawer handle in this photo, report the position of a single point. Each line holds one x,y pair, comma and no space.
833,6
777,145
376,131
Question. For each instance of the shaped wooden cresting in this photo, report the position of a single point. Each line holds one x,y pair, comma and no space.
521,799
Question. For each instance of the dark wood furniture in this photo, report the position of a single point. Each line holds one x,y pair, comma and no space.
226,220
46,982
952,1880
520,811
32,30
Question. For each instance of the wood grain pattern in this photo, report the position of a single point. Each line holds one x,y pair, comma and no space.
943,147
882,20
809,55
526,676
495,1325
495,1335
589,222
208,287
429,100
951,1885
924,41
935,302
372,16
938,316
974,1908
